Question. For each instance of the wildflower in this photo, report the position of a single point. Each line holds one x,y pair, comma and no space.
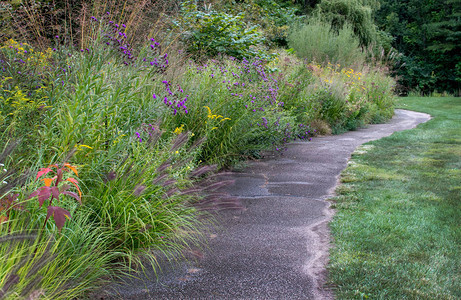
139,136
155,96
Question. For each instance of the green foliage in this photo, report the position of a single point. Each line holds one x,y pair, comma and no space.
211,32
273,17
352,12
316,40
427,34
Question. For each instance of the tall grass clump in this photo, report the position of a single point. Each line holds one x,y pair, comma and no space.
317,40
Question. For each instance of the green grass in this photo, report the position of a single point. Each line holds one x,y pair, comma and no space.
397,230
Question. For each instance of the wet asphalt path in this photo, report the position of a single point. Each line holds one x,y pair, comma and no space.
277,246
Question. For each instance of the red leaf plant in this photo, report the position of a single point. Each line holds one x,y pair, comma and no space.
53,189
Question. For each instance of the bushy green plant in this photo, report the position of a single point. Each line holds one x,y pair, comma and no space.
316,40
357,15
211,32
274,17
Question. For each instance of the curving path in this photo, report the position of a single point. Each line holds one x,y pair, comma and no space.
277,247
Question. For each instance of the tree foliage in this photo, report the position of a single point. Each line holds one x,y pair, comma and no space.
428,34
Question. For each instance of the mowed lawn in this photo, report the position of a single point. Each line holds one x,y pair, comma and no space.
397,228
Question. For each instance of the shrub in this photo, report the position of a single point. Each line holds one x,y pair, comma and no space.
317,41
273,17
211,32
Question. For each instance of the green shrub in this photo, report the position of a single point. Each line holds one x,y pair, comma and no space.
273,17
211,32
317,41
352,13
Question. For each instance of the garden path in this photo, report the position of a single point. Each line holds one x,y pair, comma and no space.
277,246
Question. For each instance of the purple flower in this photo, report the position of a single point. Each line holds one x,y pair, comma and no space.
139,136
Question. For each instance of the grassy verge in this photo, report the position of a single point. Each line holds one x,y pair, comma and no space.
397,231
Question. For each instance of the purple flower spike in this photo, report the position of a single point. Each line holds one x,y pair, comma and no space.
152,40
139,136
123,25
154,96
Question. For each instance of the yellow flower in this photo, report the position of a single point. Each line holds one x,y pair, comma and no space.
79,147
179,130
210,115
